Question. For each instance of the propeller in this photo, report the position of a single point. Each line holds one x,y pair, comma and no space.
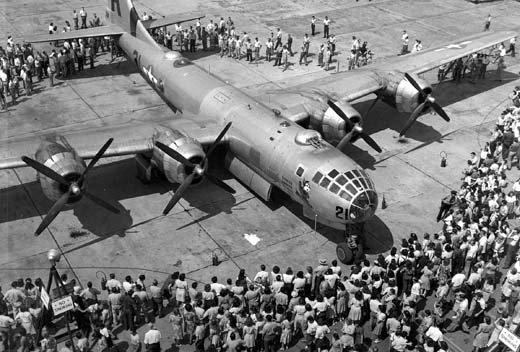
428,102
74,188
355,130
198,170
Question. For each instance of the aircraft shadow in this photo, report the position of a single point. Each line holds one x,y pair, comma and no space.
104,67
377,236
106,181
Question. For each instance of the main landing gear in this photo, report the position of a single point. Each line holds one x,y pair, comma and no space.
351,251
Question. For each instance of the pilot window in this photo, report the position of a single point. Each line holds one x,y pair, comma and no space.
351,188
317,177
358,185
350,175
325,182
333,173
300,171
334,188
357,173
341,180
363,182
345,196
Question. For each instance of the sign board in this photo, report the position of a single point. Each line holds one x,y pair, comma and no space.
57,292
45,297
62,305
509,339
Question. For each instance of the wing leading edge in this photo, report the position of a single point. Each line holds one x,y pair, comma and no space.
102,31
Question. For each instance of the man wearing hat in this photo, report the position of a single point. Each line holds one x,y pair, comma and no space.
446,204
319,271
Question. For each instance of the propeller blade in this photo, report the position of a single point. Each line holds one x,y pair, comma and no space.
220,183
372,105
346,140
101,202
178,194
337,110
53,212
50,173
175,155
440,111
216,142
371,142
413,117
414,83
96,158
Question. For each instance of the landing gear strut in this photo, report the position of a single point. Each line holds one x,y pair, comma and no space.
351,251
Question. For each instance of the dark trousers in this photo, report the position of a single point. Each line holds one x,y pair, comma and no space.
313,28
76,26
269,343
157,306
83,21
127,318
249,55
278,43
443,211
325,31
192,45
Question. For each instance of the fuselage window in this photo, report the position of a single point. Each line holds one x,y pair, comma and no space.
334,188
351,189
346,196
333,173
341,180
325,182
317,177
300,171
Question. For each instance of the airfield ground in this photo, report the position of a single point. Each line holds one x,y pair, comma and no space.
208,220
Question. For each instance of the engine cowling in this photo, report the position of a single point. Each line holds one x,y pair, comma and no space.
401,94
333,127
188,147
56,153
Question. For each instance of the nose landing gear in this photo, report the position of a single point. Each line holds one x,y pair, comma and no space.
351,251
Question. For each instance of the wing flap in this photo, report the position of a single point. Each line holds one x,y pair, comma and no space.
80,33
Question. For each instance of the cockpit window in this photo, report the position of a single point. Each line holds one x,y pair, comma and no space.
299,171
317,177
351,189
334,188
345,196
350,175
325,182
357,173
357,184
341,180
333,173
363,182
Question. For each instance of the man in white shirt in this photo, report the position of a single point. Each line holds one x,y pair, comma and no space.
512,44
434,333
313,25
113,283
83,15
152,339
216,286
326,27
262,277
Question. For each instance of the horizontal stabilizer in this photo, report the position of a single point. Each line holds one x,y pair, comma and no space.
169,20
102,31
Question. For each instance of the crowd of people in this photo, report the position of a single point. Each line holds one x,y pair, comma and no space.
223,36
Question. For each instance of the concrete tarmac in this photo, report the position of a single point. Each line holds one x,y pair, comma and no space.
208,220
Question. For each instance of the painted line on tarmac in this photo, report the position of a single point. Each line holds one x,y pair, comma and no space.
453,344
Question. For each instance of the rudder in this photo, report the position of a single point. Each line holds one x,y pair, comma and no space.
123,14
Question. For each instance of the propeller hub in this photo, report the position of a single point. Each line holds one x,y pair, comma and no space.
431,99
75,189
357,128
198,170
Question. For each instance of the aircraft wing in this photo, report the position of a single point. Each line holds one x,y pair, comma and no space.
169,20
128,139
429,59
80,33
352,85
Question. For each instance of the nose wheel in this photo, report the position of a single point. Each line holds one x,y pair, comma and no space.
351,251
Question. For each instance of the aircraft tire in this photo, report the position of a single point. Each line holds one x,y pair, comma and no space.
344,253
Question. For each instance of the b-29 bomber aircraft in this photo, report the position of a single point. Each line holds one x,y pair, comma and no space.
285,143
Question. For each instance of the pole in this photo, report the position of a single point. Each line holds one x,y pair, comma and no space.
45,311
63,292
315,223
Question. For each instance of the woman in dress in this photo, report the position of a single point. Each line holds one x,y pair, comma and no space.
177,326
341,302
249,331
285,337
189,322
483,334
26,320
181,289
356,305
380,324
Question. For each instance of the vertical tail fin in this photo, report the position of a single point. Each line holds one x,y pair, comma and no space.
123,14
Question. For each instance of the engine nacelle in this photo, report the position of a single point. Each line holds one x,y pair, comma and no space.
333,127
56,153
401,94
188,147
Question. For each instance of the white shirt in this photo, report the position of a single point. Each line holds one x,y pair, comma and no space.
458,279
434,333
217,287
326,22
152,336
83,13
